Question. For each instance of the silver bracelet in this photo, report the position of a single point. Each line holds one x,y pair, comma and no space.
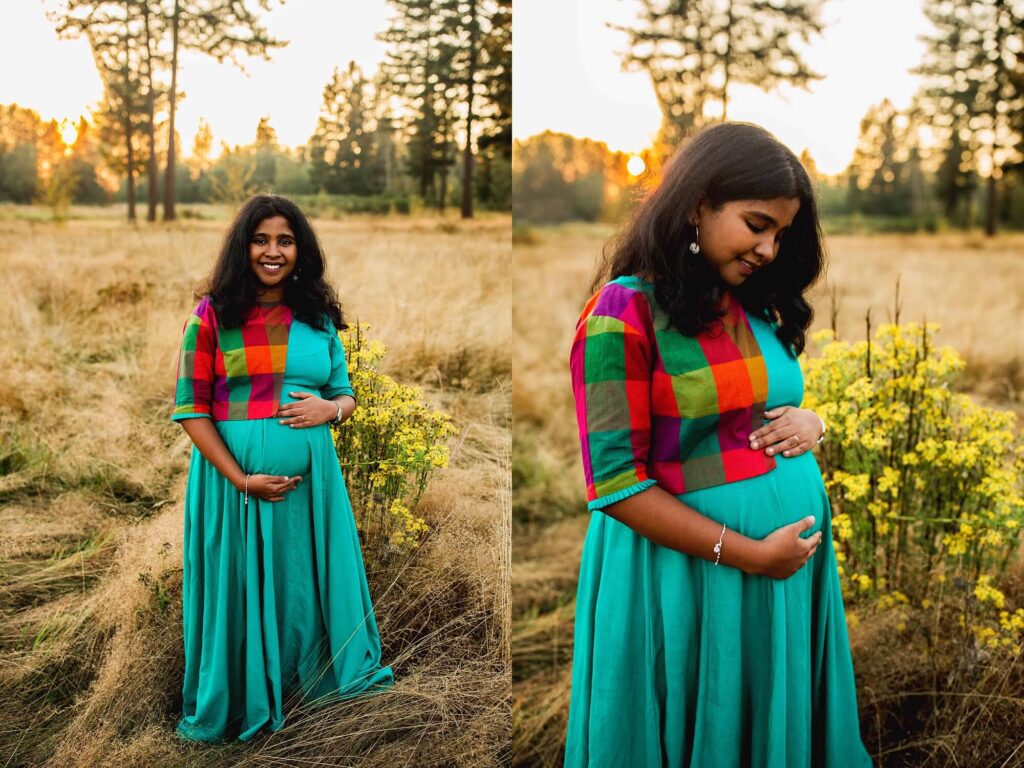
247,490
337,419
822,430
718,546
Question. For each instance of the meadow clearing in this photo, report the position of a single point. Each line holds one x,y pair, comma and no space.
92,475
972,287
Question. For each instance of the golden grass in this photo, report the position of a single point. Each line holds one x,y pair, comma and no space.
92,474
973,287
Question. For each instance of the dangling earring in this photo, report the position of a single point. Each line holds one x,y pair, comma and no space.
295,276
694,248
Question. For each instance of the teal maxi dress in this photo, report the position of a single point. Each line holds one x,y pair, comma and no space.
679,662
274,595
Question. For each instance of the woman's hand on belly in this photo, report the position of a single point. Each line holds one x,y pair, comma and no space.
272,487
309,411
784,551
792,431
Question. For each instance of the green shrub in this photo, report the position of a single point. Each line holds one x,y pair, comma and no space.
388,448
925,484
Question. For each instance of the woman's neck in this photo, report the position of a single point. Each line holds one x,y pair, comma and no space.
270,296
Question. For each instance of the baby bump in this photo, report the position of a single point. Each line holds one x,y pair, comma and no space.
262,446
758,505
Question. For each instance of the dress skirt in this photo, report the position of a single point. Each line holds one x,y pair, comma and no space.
275,599
679,662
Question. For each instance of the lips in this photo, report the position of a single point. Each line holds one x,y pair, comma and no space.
270,267
747,267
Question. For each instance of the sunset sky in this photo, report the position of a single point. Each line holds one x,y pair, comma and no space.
58,79
567,76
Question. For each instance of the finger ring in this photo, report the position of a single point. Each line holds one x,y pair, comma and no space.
304,419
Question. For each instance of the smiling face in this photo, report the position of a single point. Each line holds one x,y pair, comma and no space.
272,256
743,235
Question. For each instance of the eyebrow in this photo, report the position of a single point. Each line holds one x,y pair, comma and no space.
264,234
766,217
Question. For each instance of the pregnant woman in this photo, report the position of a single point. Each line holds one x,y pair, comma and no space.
709,622
275,599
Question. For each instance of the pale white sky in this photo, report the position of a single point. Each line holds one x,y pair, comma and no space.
567,76
58,79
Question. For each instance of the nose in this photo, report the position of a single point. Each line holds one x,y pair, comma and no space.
765,249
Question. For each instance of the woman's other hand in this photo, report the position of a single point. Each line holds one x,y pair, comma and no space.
784,551
271,487
791,432
309,411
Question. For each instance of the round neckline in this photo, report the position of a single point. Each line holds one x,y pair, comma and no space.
270,303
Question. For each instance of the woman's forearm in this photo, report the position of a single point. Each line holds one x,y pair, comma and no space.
662,518
210,444
348,405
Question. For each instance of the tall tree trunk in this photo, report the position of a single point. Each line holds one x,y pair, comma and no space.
990,203
426,170
467,157
151,171
389,182
443,192
131,168
1002,29
726,61
129,108
169,173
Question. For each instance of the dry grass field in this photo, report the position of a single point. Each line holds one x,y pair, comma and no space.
973,287
92,474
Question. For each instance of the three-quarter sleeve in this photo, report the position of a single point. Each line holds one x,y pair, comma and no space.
338,383
194,392
610,364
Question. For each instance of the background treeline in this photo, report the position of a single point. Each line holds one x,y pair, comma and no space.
953,158
431,127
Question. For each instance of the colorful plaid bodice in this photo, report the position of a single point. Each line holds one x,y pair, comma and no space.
238,373
656,406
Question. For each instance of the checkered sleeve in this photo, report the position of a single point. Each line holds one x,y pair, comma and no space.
194,393
610,364
338,383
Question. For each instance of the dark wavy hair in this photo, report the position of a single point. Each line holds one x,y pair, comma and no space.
232,286
721,163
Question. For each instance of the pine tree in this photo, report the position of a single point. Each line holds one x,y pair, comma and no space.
692,50
479,35
122,116
494,146
265,149
974,93
19,157
223,29
202,144
879,173
120,35
420,66
231,180
348,149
